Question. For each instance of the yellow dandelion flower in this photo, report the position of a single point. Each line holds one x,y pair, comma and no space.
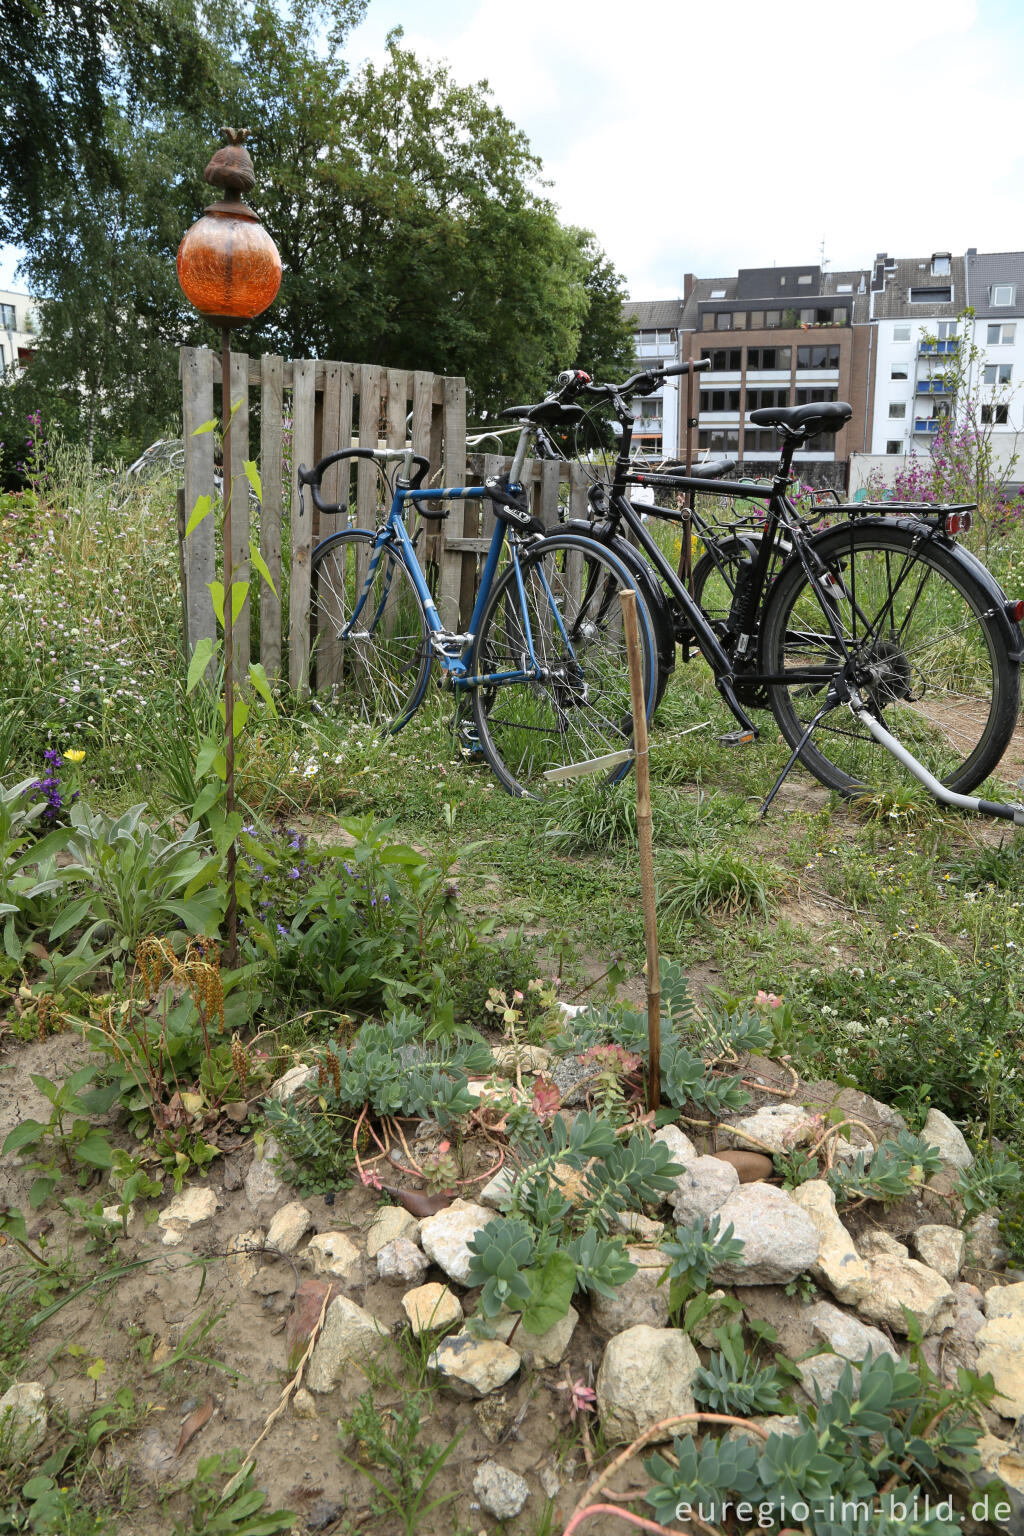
75,755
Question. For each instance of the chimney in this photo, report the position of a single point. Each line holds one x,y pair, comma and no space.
688,283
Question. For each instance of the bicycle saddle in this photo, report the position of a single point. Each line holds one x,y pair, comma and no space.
711,469
803,420
549,413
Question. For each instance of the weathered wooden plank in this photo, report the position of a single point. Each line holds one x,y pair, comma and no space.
450,602
238,436
578,483
271,439
328,659
549,469
303,413
422,392
367,488
324,523
322,364
200,555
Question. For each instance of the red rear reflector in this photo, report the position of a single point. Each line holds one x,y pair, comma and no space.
957,522
1015,611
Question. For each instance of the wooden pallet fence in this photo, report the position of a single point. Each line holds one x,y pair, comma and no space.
296,412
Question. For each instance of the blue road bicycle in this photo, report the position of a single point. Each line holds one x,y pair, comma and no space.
543,664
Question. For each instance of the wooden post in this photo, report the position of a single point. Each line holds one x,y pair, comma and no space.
229,655
643,827
180,511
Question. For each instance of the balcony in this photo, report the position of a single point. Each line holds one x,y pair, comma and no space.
933,387
926,426
938,348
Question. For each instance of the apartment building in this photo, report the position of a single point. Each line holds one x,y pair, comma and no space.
657,328
17,330
994,286
913,313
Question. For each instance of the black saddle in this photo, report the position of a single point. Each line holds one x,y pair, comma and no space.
711,469
803,420
549,413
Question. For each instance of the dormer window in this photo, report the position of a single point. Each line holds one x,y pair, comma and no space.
1002,295
940,264
718,293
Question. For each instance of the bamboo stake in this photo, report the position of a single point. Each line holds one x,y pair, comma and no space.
229,657
643,827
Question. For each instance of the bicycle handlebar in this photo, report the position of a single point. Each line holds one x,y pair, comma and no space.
314,477
575,382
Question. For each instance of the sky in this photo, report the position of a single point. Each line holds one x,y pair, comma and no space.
696,137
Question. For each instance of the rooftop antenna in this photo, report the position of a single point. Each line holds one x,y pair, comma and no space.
824,258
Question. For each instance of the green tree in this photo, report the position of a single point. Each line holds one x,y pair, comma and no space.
606,347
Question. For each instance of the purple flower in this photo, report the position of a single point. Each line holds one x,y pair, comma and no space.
282,930
294,874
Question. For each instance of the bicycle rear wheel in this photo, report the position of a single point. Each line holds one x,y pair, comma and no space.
576,715
927,656
369,654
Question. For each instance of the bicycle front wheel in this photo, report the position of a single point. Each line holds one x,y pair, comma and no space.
369,641
555,703
925,653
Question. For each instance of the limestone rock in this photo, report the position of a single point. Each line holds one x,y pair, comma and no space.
539,1349
775,1127
939,1131
942,1249
497,1194
290,1082
244,1255
401,1262
821,1375
391,1221
640,1299
968,1317
304,1404
846,1335
897,1283
646,1375
500,1493
1005,1301
780,1241
474,1367
23,1421
263,1183
838,1266
1000,1344
679,1144
431,1307
288,1227
445,1237
331,1253
349,1334
882,1118
641,1227
190,1209
702,1189
528,1058
874,1244
985,1248
1004,1461
719,1316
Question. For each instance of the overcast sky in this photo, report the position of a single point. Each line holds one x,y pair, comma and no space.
701,138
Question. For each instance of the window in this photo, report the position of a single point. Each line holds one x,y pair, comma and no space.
1000,335
772,319
998,373
655,343
718,293
760,442
931,296
844,287
895,445
778,358
719,400
804,279
8,318
816,396
3,359
946,330
723,359
756,318
760,399
820,442
899,371
1002,295
995,415
707,321
719,440
901,333
723,320
739,320
897,410
817,357
940,264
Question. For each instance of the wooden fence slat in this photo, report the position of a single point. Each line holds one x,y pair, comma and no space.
422,390
330,443
303,422
271,440
450,601
369,431
239,439
549,492
200,549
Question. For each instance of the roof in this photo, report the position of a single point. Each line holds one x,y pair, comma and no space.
984,272
654,314
915,272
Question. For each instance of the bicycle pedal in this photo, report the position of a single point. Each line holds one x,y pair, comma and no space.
737,738
470,745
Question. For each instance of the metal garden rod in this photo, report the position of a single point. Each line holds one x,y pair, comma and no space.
231,916
644,837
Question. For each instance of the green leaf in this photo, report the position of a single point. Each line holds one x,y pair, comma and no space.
201,658
217,593
261,566
239,593
70,918
207,797
551,1286
207,426
202,509
24,1135
261,683
95,1150
252,474
42,1189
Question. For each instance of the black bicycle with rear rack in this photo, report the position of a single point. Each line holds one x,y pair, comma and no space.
868,631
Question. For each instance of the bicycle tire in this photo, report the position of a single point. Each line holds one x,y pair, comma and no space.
582,712
380,674
929,657
648,585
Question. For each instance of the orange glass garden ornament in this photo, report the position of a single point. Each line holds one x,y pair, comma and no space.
228,265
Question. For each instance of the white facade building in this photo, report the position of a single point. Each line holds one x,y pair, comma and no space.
18,326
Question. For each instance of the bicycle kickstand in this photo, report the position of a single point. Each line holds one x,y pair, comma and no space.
833,699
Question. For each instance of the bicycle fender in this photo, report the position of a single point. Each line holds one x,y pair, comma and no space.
650,587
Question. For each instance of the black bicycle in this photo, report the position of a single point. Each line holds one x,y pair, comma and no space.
868,631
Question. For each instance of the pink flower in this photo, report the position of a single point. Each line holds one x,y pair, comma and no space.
768,1000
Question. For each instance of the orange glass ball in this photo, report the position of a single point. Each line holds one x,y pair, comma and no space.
228,265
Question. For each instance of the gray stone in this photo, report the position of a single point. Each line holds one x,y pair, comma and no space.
500,1493
985,1248
942,1249
838,1266
445,1237
538,1349
391,1221
401,1262
646,1375
528,1058
876,1244
720,1315
897,1283
780,1241
497,1194
679,1144
1004,1461
331,1253
823,1372
430,1307
1000,1343
1005,1301
192,1208
640,1299
773,1128
350,1334
846,1335
636,1225
290,1082
244,1255
702,1189
263,1183
304,1404
573,1076
474,1367
939,1131
288,1227
23,1421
